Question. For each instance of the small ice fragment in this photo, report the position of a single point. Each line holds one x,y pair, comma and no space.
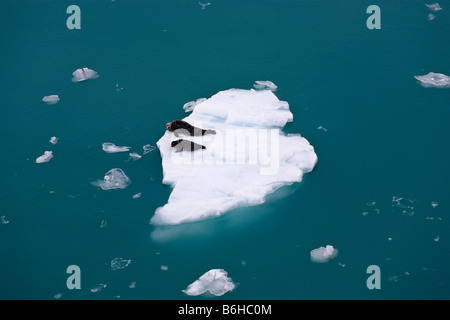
322,128
84,74
190,106
389,239
323,254
46,157
434,7
137,195
114,179
54,140
394,278
3,220
112,148
343,265
434,80
431,17
52,99
103,224
436,239
98,288
135,156
203,5
264,85
434,204
216,281
57,296
118,88
365,213
148,148
132,285
164,268
119,263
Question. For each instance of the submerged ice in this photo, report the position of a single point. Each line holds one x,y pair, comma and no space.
248,158
114,179
215,281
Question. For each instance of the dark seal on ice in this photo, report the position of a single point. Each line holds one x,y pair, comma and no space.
186,145
182,127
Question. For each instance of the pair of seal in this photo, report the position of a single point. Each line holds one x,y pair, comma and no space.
186,145
180,126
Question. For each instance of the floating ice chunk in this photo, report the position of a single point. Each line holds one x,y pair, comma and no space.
248,158
322,128
216,281
84,74
3,220
434,80
46,157
434,7
204,5
54,140
119,263
137,195
431,17
57,296
103,224
132,285
118,88
114,179
264,85
164,268
190,106
437,238
52,99
135,156
434,204
148,148
98,288
322,255
112,148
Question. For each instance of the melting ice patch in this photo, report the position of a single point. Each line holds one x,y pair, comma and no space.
84,74
215,281
119,263
323,254
148,148
52,99
112,148
265,85
46,157
114,179
248,158
434,80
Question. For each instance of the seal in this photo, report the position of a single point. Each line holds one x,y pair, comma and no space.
180,126
186,145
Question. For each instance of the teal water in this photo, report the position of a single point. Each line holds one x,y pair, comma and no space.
386,137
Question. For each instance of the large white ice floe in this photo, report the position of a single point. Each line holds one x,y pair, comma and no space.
215,281
114,179
46,157
434,80
323,254
52,99
112,148
84,74
248,158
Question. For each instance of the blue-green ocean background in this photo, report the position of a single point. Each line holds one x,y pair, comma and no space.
386,137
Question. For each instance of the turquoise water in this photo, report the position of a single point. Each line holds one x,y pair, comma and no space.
386,137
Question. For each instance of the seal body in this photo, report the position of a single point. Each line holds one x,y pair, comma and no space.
186,145
182,127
